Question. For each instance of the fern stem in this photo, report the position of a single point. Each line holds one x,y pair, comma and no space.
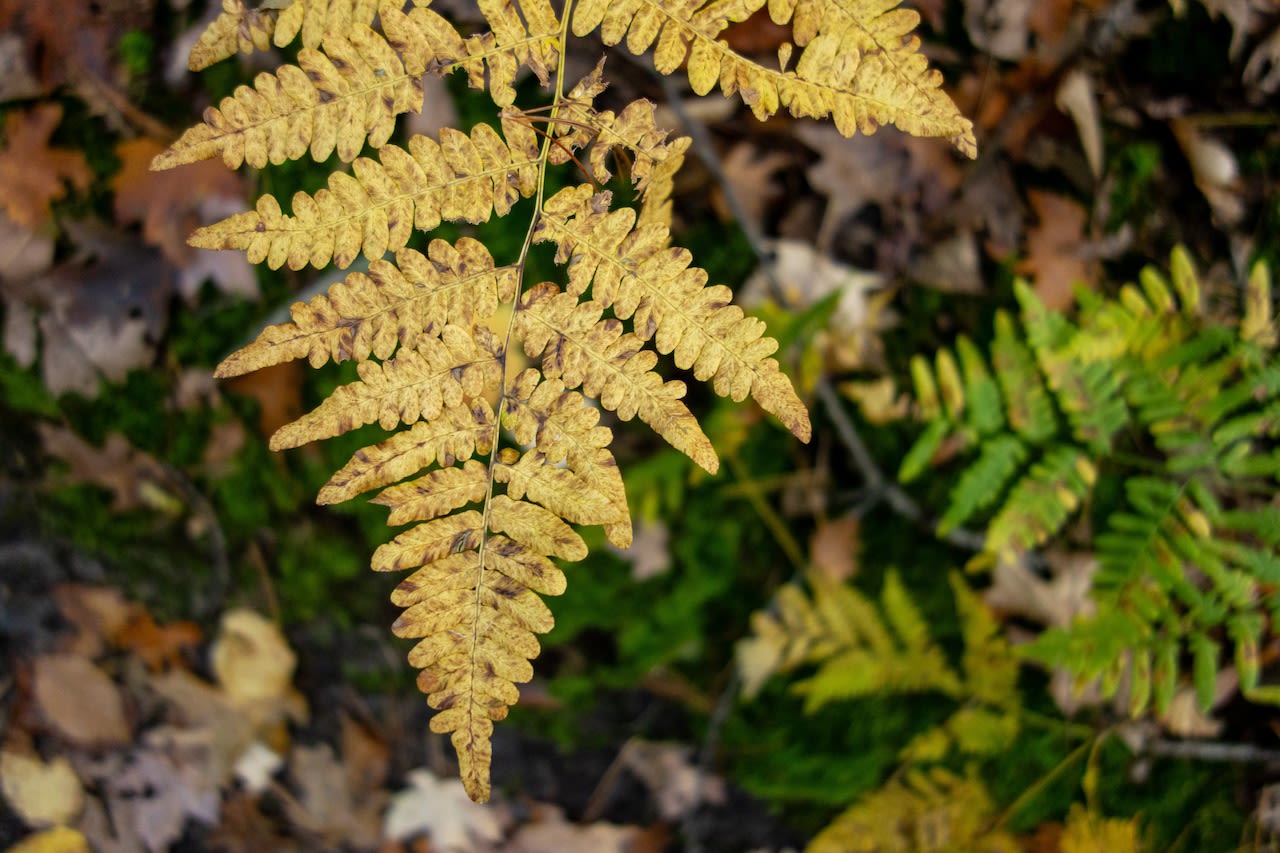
1043,782
778,527
521,267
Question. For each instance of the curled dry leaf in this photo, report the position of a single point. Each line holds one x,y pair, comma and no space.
1216,171
254,666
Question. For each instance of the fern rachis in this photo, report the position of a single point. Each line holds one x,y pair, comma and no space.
503,462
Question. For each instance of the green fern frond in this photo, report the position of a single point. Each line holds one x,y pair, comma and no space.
1028,406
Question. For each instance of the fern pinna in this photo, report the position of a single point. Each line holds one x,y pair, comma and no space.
1177,412
492,508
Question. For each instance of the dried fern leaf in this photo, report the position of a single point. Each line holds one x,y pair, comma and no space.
579,348
529,32
236,28
633,272
863,67
462,178
332,100
316,19
456,433
474,602
439,373
634,129
557,422
436,494
392,305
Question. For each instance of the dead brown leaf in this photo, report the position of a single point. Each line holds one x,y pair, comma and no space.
757,34
549,832
82,704
70,39
32,174
159,646
749,173
96,612
667,770
100,313
1054,260
365,755
833,549
167,203
134,478
278,390
327,805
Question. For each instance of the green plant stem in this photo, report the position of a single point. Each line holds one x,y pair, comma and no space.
1043,782
781,533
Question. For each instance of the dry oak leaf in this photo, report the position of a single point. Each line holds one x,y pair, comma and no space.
32,174
1054,259
167,203
83,705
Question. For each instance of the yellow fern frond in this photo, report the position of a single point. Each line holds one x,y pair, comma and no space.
533,41
567,493
435,494
392,305
442,372
316,19
634,129
560,425
634,273
862,67
278,22
467,178
332,100
475,605
237,28
457,433
579,348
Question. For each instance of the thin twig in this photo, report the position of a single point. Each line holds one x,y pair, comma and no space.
691,826
1219,753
